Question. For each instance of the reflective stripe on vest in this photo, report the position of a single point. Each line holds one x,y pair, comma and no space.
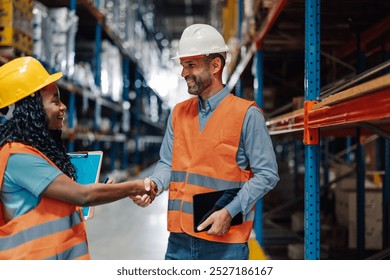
204,181
76,252
39,231
206,163
52,230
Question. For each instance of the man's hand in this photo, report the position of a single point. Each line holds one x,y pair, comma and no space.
147,198
219,221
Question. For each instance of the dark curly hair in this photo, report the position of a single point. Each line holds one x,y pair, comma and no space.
29,126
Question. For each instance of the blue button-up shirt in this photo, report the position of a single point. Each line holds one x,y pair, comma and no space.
255,150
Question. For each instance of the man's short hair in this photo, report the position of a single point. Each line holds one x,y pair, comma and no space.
208,58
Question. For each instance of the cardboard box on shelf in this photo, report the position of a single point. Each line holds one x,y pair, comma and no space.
372,235
296,251
346,209
297,221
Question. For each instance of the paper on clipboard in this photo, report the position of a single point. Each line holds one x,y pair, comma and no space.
88,165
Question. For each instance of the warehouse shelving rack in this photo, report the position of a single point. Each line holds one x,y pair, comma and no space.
138,138
235,82
134,134
357,111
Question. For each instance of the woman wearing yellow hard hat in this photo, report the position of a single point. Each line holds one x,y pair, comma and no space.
40,215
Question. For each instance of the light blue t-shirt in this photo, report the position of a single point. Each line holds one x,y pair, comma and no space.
26,177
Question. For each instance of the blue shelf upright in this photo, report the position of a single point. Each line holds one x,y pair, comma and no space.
97,73
239,88
311,141
72,99
258,226
126,112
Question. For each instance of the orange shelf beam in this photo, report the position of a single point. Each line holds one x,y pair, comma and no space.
367,102
370,107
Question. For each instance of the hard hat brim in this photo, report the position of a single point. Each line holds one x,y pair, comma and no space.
188,56
51,79
196,55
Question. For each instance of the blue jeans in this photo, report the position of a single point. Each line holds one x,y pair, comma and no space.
182,246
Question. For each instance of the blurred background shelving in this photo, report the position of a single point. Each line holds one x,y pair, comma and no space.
314,67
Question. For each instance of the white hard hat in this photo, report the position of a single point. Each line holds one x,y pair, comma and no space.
200,39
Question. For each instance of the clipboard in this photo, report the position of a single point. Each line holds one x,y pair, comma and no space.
207,203
88,165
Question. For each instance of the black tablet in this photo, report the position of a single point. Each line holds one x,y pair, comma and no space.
207,203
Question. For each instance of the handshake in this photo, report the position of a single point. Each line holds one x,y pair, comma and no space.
147,191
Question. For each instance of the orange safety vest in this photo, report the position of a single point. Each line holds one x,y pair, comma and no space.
206,161
53,230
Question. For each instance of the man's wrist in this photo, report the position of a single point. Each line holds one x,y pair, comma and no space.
155,187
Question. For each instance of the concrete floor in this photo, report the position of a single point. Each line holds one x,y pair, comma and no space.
124,231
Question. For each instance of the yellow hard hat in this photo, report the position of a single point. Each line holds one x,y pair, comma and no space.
22,77
200,39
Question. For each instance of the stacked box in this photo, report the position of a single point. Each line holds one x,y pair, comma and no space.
346,210
296,251
62,38
54,37
16,24
116,12
297,221
111,72
40,20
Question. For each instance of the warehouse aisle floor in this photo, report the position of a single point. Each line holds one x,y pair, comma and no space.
124,231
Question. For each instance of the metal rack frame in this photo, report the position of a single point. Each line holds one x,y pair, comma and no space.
346,113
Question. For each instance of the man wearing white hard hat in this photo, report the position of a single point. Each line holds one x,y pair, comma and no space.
213,142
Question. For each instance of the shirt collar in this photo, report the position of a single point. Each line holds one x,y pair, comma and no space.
214,101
